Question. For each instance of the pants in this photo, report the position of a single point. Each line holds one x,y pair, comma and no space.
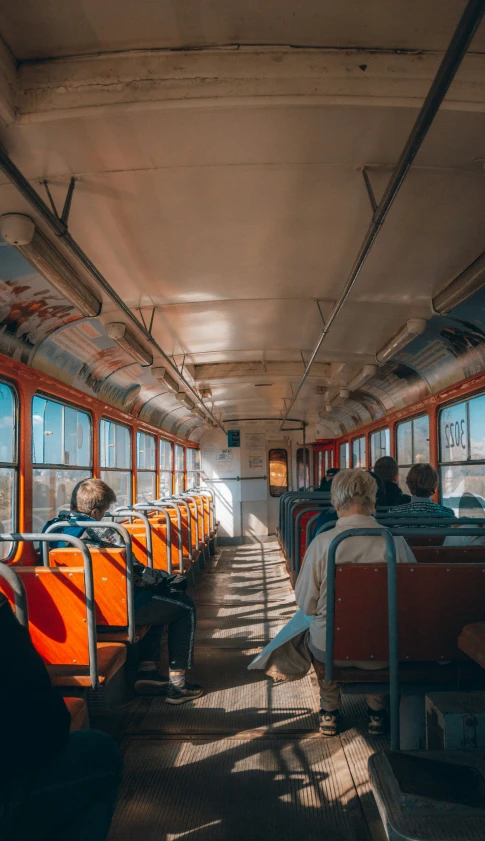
178,612
330,695
70,799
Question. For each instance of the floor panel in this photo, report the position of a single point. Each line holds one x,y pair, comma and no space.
221,790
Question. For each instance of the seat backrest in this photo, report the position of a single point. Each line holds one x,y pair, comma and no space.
110,584
449,554
58,618
434,603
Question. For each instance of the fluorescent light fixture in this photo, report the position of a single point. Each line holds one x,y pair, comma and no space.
360,378
162,375
344,393
20,231
205,391
185,400
120,333
412,328
131,396
468,282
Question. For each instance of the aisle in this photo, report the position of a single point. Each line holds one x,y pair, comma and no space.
245,761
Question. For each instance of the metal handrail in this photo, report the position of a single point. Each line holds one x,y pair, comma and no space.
169,503
182,501
139,515
392,617
212,506
199,496
153,506
99,524
193,499
309,525
22,537
20,596
289,520
294,552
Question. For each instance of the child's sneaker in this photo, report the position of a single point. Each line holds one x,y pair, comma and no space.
329,722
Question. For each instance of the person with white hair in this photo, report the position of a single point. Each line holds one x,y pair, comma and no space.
353,496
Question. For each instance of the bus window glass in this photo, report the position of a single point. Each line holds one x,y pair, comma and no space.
412,446
193,468
8,465
462,456
146,464
477,428
278,472
166,467
115,459
344,455
61,443
380,445
179,469
358,452
302,468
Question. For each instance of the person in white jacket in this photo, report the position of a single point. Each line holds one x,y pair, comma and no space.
353,496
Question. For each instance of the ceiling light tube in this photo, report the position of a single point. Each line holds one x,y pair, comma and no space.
162,375
462,287
412,328
20,231
120,333
363,375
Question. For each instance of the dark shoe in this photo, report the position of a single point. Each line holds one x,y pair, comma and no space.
151,683
376,722
329,722
182,694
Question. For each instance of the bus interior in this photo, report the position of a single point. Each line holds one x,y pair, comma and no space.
241,246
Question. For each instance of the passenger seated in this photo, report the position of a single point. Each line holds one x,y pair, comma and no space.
422,480
54,784
154,606
331,516
470,506
326,481
354,498
387,468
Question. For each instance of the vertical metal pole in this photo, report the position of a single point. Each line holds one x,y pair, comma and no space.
304,457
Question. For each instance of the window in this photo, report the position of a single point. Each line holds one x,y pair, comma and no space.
302,468
318,467
344,455
146,467
8,464
278,472
412,446
462,456
179,469
380,445
115,459
358,452
61,446
193,468
166,467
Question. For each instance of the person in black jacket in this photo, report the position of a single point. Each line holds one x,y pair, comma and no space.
387,468
54,784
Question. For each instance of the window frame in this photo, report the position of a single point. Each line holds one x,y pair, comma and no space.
190,470
466,462
379,431
302,464
128,470
15,464
345,444
150,470
57,465
163,469
284,487
411,421
359,438
177,473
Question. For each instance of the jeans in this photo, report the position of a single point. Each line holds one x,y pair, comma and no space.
176,611
330,695
70,799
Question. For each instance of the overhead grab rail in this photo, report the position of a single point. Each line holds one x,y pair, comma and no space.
21,537
447,70
130,602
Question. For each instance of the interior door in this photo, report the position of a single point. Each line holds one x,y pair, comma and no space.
279,461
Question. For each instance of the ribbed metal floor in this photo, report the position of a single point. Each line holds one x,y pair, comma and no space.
245,760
